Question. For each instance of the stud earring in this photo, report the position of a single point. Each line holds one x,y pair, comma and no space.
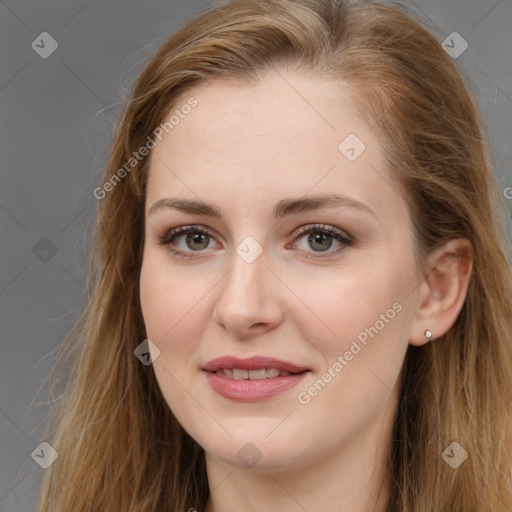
428,334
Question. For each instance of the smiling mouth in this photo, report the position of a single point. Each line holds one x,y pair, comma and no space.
253,379
259,374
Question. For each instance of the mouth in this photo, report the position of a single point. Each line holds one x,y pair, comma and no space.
253,379
258,374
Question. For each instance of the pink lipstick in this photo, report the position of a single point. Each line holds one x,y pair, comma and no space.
254,379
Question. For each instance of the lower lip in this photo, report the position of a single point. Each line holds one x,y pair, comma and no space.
252,390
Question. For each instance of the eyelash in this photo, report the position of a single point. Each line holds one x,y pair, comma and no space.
346,241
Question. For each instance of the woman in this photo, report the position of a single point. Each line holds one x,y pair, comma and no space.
300,298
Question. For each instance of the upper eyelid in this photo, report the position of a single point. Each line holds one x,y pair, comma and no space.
326,228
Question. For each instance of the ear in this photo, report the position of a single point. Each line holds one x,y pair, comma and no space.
443,290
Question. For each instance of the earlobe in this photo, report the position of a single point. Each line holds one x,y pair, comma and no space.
443,290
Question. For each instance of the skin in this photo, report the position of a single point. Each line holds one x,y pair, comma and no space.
244,148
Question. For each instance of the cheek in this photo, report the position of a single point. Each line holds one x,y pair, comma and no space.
341,306
172,306
359,327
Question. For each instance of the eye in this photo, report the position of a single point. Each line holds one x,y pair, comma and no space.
194,239
320,238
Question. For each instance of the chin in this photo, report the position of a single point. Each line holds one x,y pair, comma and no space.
257,451
249,457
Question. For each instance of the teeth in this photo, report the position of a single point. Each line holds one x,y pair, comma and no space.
272,372
260,374
257,374
240,374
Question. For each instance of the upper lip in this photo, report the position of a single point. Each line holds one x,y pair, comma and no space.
252,363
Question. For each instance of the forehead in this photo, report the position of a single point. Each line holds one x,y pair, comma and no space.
288,133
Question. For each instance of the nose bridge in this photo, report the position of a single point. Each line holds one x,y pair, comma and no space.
246,281
248,296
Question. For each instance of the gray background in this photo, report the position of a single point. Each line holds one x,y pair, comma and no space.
57,119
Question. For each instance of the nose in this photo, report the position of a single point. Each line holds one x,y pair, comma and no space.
249,302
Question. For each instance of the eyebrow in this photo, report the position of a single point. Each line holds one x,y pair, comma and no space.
281,208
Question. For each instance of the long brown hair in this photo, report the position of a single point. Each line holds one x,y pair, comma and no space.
119,445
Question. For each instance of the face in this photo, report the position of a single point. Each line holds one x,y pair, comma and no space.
282,318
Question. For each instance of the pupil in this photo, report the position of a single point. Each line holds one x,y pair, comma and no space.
197,237
319,238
